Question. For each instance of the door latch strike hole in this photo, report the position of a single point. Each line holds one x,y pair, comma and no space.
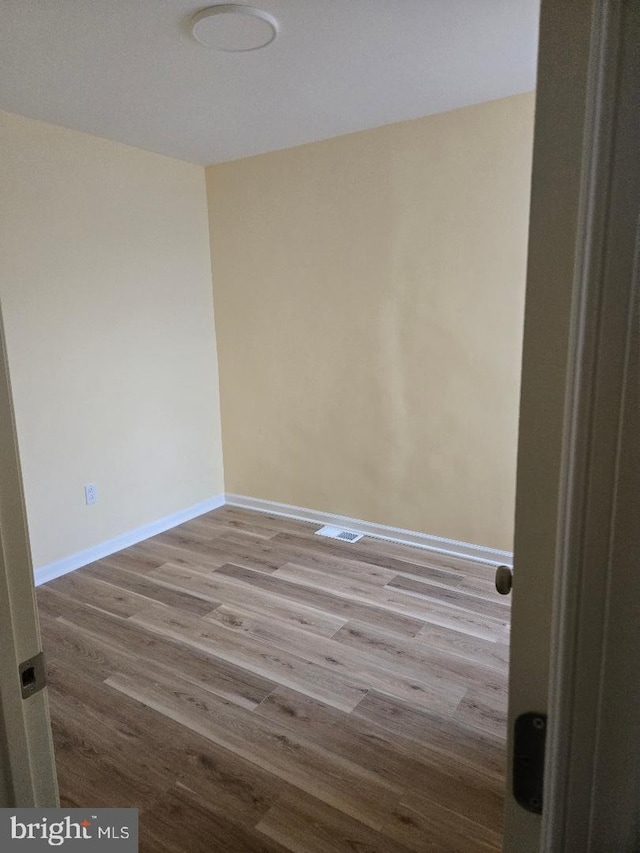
32,675
28,676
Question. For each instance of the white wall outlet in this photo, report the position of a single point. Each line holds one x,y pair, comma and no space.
90,493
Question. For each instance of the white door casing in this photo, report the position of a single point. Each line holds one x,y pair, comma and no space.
27,768
576,567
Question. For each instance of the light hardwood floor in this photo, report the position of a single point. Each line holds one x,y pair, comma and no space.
253,688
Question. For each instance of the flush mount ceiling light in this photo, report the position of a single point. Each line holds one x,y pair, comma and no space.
233,27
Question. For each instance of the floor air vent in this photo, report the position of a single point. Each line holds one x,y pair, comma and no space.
337,533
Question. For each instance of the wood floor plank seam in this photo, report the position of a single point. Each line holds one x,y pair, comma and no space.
318,599
425,691
428,611
343,691
327,776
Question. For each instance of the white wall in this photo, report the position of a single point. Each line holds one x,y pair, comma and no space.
369,294
106,292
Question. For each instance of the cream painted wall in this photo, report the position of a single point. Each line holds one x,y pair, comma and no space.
106,292
369,295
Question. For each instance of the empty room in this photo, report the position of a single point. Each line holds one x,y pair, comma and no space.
263,304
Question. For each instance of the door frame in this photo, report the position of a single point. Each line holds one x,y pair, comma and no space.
599,482
576,591
27,766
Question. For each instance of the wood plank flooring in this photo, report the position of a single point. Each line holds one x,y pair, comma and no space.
253,688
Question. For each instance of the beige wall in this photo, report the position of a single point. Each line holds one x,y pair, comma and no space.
106,291
369,296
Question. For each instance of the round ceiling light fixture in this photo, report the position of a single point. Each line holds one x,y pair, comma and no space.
234,28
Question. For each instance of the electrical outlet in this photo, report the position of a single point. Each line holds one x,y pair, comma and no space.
90,493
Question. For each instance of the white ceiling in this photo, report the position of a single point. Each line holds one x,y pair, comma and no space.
130,70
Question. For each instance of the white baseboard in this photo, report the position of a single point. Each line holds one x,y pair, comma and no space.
380,531
367,528
104,549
